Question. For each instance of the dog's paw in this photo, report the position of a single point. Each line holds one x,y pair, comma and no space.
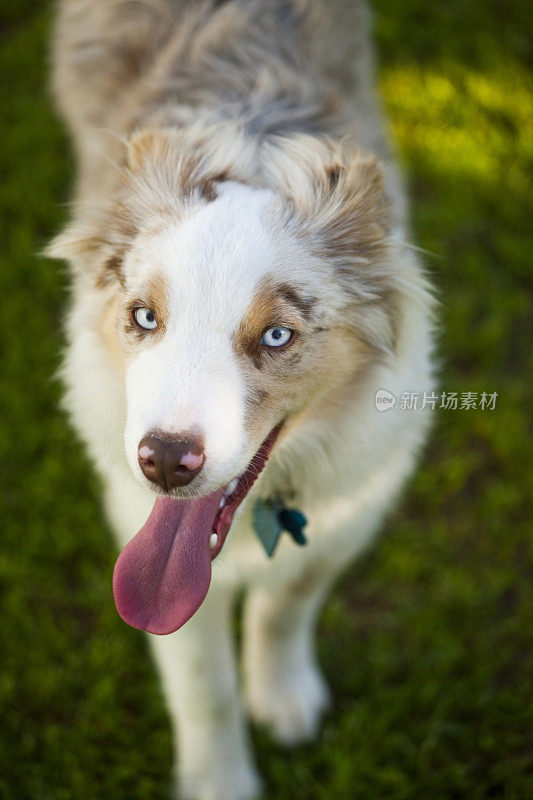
222,782
292,708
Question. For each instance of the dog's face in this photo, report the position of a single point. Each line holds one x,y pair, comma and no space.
230,306
226,327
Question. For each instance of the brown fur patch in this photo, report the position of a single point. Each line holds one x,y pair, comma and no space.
257,396
209,191
110,333
112,270
304,305
158,295
120,334
273,304
333,174
285,378
153,294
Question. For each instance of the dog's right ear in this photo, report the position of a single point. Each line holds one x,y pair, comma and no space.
94,243
163,171
95,239
81,243
74,241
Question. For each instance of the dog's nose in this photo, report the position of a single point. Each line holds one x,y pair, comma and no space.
170,460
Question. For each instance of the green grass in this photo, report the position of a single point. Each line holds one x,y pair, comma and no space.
428,642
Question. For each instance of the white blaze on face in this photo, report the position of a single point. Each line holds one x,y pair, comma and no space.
190,381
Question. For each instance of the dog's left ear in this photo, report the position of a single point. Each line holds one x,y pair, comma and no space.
337,194
336,205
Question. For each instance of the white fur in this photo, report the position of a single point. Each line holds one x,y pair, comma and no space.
212,263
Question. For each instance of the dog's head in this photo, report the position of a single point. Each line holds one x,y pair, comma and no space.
237,289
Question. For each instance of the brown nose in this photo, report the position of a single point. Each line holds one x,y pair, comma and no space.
170,460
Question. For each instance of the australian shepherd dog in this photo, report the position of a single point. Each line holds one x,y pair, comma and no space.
243,300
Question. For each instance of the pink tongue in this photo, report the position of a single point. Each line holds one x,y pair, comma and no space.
162,576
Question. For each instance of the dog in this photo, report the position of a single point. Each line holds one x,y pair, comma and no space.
243,292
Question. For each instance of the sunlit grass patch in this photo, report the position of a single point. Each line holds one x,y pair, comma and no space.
461,122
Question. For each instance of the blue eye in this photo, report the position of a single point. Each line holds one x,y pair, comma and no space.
145,319
276,337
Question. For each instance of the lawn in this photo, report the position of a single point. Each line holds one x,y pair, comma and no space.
428,641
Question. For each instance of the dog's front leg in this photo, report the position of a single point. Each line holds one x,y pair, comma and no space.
197,667
284,686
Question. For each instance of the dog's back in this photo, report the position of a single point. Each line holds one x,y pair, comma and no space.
282,66
104,47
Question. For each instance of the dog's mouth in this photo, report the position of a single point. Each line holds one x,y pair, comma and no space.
163,574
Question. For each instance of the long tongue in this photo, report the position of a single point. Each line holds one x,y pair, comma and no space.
162,576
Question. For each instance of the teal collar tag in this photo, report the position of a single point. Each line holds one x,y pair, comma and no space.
271,518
